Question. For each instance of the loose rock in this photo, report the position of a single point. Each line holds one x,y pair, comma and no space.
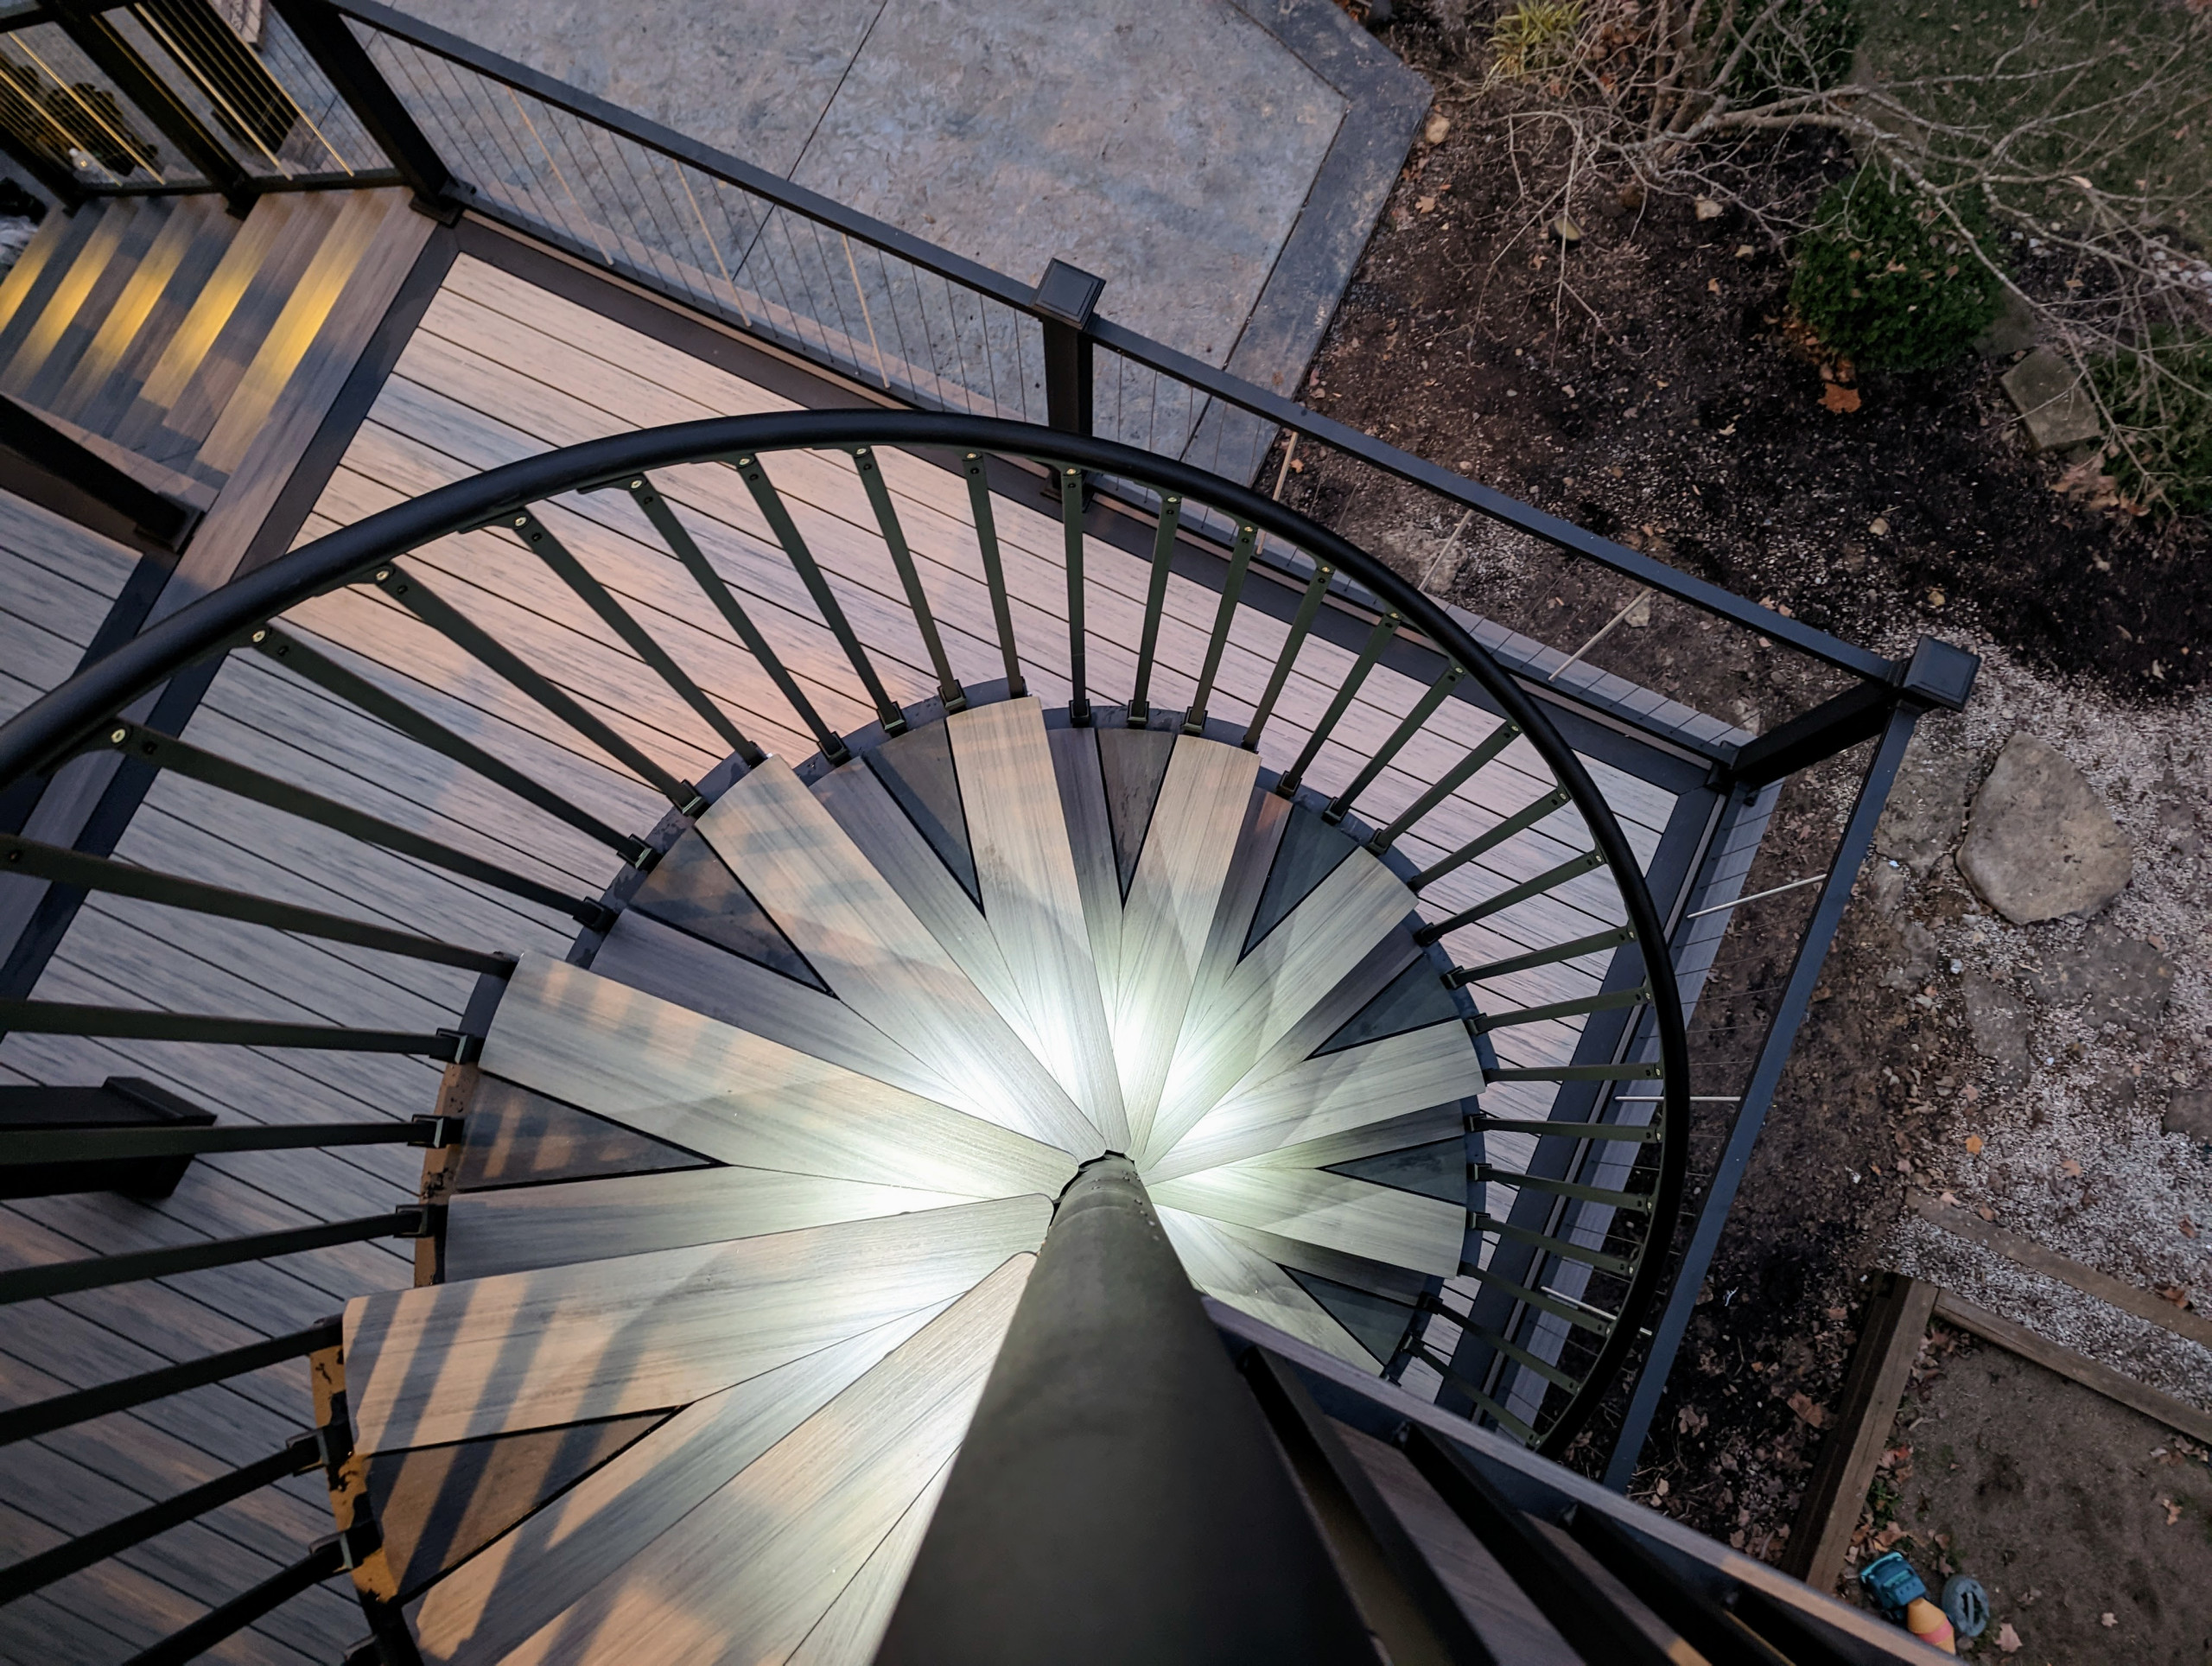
2125,979
2189,1112
1927,808
2052,401
2040,843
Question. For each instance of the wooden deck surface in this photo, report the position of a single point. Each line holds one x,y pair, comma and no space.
499,370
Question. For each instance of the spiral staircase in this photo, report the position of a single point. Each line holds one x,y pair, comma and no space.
671,989
729,1211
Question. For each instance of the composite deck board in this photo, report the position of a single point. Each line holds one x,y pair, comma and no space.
498,371
58,581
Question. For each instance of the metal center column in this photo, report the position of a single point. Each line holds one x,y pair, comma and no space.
1119,1496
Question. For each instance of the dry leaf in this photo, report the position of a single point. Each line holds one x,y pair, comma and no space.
1973,1145
2071,1169
1987,1212
1801,1403
2107,1620
1440,125
2008,1640
1708,209
1948,1198
1838,398
1425,204
2175,1293
2173,1510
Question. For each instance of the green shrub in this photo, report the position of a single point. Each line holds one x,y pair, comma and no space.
2167,421
1884,282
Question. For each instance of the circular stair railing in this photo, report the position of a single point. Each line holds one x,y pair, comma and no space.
1568,1207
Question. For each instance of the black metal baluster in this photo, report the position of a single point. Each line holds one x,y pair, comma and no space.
1072,548
1565,1249
1155,604
1377,639
686,550
1593,1623
324,1562
987,543
1446,784
894,540
182,758
1424,709
1635,1132
299,1455
1710,1629
539,540
357,691
58,1278
771,504
472,638
1483,1403
149,1024
1309,608
66,1410
1637,1203
1596,943
121,879
1519,821
1567,1313
1574,1008
1572,868
1232,586
1579,1074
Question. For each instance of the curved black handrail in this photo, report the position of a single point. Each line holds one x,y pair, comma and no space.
53,728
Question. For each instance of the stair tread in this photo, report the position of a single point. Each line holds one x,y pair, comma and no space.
488,1605
1034,902
522,1227
739,1098
743,1568
532,1350
864,940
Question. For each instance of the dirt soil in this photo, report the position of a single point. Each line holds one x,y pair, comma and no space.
2092,1548
1644,383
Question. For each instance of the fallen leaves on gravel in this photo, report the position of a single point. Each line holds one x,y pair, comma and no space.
1837,397
2008,1640
1973,1145
1801,1403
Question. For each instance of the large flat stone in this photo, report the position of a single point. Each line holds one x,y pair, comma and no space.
2124,979
2040,843
2052,402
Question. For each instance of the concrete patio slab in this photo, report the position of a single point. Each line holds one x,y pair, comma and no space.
1220,165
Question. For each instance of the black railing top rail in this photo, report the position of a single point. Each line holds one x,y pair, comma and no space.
80,715
1215,383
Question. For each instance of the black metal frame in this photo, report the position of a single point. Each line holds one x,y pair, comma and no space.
79,716
1884,693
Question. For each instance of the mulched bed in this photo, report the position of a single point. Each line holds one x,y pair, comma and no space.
1645,384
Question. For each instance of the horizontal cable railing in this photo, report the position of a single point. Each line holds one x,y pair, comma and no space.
922,326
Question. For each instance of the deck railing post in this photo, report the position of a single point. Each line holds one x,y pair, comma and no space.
323,29
1758,1092
1066,296
86,22
1118,1496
